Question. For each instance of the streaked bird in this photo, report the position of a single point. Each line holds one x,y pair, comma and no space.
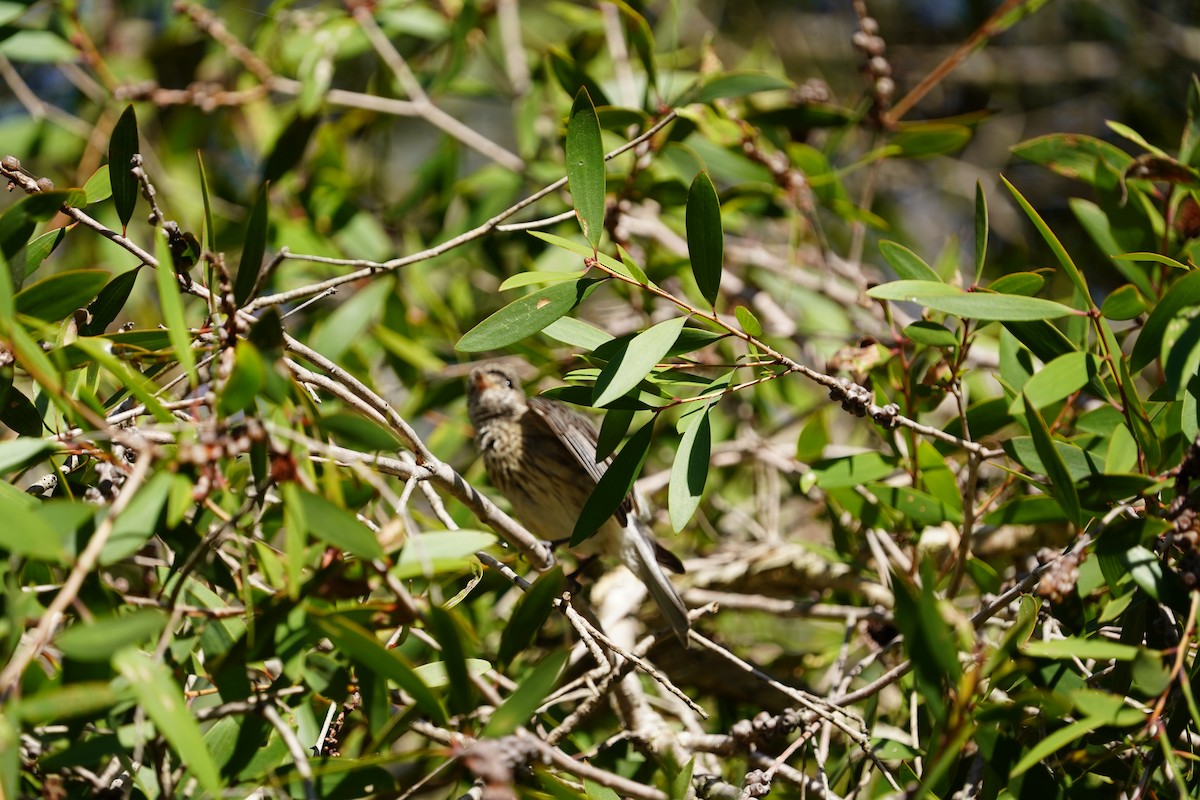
541,455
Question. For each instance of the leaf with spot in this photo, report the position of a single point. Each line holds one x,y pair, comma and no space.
526,316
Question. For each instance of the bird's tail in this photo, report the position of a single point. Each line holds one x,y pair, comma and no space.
638,552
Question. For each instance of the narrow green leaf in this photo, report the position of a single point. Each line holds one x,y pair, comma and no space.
974,305
1025,284
535,278
921,508
1057,380
364,648
1056,246
635,361
617,482
585,167
28,534
98,639
519,706
576,333
1073,156
84,698
689,470
530,613
435,675
981,230
209,233
245,380
706,240
57,296
39,250
171,303
337,526
438,552
1074,647
109,303
613,428
734,84
908,265
121,148
1184,293
526,316
101,350
929,138
1062,487
23,451
139,521
289,147
99,186
642,36
749,322
161,697
254,247
931,334
461,692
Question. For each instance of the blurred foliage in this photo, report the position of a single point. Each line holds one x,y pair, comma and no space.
932,472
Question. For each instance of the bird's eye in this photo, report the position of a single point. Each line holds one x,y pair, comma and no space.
507,383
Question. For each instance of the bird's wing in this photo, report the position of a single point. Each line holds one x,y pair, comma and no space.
574,430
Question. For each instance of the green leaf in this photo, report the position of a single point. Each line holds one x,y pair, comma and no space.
922,508
1072,155
139,521
1124,303
365,649
101,350
435,675
439,552
855,470
57,296
461,691
38,47
172,310
706,240
84,698
689,470
526,316
733,84
1057,380
973,305
99,186
931,334
576,333
109,303
1062,487
336,526
925,139
616,483
289,147
907,264
1184,293
246,379
22,452
40,249
634,362
519,706
162,699
1056,246
535,278
99,639
254,247
1189,143
981,230
209,233
28,534
749,322
354,430
1073,647
1025,284
585,167
121,148
530,613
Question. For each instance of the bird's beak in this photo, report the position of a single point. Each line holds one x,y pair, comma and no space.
481,381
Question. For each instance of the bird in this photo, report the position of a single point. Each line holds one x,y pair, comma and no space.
541,455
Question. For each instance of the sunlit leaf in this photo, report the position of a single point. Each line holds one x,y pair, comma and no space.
706,240
122,146
585,167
